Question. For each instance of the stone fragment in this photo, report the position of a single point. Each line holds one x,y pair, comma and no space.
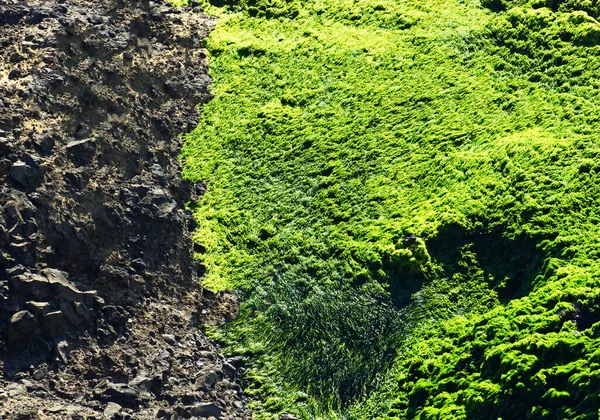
141,381
16,390
89,298
32,286
81,152
205,410
70,313
15,270
111,410
121,394
28,173
53,323
64,289
45,143
62,350
169,338
23,252
39,373
23,328
210,379
4,237
228,370
38,309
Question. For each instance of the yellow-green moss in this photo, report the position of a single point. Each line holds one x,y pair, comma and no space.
338,129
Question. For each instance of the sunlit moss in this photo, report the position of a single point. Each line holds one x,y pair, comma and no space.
405,195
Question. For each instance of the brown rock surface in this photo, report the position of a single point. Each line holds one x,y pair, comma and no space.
99,293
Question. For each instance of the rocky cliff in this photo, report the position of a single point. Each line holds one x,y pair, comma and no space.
99,291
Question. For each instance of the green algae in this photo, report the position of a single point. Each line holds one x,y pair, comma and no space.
338,130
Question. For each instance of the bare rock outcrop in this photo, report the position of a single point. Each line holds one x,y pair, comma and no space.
99,292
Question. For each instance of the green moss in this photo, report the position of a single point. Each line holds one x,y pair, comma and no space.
340,129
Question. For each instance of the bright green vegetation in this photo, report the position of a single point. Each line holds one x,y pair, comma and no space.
338,129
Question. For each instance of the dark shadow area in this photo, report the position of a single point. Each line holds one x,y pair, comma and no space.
510,266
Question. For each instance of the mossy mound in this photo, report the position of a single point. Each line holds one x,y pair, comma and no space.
405,195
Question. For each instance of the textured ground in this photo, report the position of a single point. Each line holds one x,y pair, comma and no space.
99,293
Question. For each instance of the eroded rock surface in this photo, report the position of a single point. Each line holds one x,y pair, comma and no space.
99,292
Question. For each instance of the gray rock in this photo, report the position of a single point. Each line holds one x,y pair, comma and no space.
54,323
169,338
205,410
141,381
64,289
29,175
287,416
4,237
89,298
111,410
62,350
23,328
71,314
39,373
32,286
228,370
81,152
121,394
210,379
24,252
38,309
16,390
87,314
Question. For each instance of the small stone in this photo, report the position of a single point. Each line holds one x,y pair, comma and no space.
45,144
169,338
28,174
122,394
81,152
15,390
39,374
62,350
32,285
64,289
287,416
71,314
89,298
23,328
4,237
53,324
210,379
228,370
141,381
205,410
38,309
111,410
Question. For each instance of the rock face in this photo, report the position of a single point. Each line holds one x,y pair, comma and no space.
99,293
